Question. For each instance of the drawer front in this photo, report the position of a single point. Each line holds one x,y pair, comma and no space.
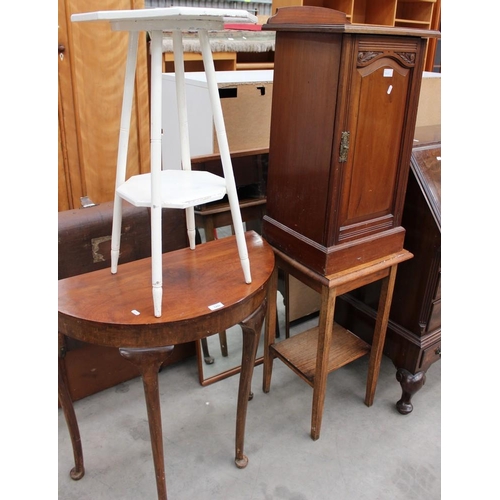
435,316
431,355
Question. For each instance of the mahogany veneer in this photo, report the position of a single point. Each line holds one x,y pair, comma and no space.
343,116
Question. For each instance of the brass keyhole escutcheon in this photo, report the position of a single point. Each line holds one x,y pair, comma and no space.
344,147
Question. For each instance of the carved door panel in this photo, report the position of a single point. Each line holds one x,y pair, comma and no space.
369,156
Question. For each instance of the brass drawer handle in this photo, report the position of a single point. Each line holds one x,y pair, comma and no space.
438,351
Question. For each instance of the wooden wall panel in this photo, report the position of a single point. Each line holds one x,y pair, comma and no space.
91,76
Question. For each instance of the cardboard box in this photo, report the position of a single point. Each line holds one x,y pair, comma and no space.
246,107
303,300
429,104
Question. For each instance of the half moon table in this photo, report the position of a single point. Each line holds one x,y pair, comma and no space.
204,294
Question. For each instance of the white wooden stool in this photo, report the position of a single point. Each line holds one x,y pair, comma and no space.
183,188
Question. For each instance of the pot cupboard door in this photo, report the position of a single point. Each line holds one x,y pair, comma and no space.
370,140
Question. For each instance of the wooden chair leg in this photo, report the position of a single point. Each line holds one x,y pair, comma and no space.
286,299
223,343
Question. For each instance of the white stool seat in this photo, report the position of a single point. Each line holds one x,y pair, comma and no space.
179,189
171,188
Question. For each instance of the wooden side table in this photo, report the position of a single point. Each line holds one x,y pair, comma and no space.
204,293
313,354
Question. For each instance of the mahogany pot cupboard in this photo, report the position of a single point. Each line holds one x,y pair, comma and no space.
343,117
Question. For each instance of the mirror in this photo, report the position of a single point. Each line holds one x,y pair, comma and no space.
221,357
213,363
218,360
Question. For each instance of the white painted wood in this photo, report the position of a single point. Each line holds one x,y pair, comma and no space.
169,14
155,184
179,189
121,162
170,188
224,154
180,92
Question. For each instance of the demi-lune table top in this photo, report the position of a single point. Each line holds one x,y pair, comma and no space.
201,288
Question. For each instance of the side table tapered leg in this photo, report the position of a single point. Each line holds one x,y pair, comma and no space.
379,334
78,471
325,331
251,327
149,361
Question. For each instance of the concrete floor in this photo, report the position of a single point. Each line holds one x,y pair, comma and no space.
362,454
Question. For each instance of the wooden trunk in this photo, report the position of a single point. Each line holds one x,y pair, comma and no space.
84,243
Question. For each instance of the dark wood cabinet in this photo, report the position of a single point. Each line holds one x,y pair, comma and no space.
344,108
414,332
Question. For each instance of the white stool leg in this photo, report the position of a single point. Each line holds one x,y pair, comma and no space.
121,162
224,153
156,201
180,89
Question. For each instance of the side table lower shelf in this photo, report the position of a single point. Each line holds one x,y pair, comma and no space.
317,352
300,351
